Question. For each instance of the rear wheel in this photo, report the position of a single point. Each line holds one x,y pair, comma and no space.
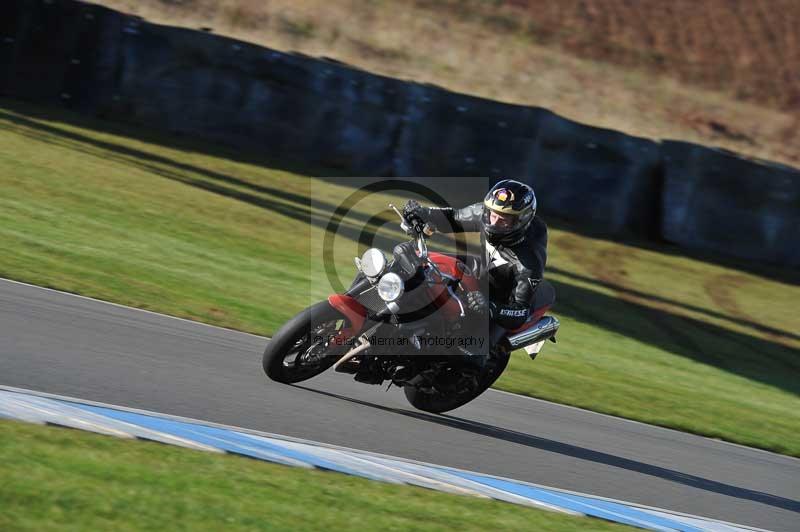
302,348
435,401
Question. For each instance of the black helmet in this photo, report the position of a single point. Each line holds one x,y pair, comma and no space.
516,202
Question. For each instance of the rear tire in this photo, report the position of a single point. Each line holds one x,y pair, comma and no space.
285,356
436,402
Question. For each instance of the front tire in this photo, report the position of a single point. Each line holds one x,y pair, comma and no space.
295,353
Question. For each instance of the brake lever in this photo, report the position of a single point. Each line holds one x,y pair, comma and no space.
400,214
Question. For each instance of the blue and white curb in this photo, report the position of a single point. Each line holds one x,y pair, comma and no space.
123,422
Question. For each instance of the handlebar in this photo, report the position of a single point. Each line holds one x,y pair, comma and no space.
416,227
422,229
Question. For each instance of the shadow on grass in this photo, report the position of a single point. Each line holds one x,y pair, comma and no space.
149,161
581,453
742,354
658,299
179,142
786,275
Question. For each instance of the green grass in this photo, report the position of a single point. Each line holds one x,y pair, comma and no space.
193,230
58,479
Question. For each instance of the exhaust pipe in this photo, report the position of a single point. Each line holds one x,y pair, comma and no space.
545,328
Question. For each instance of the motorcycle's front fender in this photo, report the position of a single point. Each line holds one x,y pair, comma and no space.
353,311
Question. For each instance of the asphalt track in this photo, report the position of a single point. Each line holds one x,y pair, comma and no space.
63,344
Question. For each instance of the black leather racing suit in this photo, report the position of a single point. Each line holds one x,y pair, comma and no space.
513,272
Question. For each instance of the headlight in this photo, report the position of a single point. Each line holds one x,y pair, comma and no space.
390,287
373,262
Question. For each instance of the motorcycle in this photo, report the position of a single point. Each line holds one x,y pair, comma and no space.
404,321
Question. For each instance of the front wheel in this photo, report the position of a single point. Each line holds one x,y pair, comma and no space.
436,402
301,349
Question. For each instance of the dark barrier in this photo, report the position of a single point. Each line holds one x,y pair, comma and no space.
41,36
12,22
55,52
90,78
715,200
603,179
451,134
280,104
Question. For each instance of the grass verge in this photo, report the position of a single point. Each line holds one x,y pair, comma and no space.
188,229
57,479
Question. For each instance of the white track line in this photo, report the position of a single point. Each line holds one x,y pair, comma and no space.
367,453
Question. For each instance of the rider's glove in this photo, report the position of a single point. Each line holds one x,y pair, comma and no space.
412,209
477,303
412,212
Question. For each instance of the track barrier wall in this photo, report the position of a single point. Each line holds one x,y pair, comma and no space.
716,200
114,66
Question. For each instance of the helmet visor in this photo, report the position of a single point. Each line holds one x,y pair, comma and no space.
499,223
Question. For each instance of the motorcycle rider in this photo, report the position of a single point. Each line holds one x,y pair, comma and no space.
514,242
